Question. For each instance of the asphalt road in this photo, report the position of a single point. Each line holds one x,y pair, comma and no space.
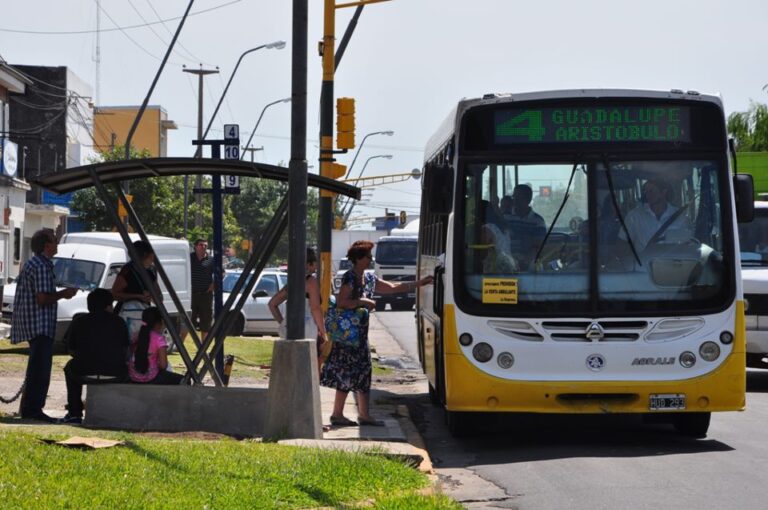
597,462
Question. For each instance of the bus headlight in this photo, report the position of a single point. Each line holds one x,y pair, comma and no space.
465,339
505,360
709,351
482,352
726,337
687,359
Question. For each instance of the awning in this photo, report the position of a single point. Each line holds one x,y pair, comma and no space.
76,178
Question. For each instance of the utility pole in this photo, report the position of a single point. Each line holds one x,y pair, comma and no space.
328,168
199,152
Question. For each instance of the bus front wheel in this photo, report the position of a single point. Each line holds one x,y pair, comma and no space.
693,424
458,423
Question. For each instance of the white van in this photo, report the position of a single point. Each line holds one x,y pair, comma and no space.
90,260
395,261
753,239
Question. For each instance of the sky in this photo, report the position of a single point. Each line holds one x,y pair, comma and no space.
408,63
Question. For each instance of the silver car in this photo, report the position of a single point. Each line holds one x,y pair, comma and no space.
254,318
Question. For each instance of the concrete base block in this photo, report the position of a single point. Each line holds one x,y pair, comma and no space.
144,407
294,393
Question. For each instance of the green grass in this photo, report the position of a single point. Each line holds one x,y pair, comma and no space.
193,474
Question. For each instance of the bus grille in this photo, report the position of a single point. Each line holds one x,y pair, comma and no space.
570,331
612,331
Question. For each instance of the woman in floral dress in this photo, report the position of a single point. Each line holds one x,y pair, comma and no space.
348,368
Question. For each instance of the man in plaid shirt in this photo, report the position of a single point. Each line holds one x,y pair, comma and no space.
34,321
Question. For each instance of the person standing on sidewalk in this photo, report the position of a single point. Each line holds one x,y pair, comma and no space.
201,266
34,321
348,367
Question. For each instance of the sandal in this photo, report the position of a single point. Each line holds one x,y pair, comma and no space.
341,421
372,422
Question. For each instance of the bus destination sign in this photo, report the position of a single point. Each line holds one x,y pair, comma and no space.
619,124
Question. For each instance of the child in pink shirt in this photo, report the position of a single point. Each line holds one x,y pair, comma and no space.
149,353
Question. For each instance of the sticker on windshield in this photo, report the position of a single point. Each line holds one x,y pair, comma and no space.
500,291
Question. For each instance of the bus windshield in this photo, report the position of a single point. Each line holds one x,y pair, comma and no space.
601,233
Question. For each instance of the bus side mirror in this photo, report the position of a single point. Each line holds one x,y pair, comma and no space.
438,184
744,190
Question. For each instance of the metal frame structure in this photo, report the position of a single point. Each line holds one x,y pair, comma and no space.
100,174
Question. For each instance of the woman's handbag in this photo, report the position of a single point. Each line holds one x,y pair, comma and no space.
345,327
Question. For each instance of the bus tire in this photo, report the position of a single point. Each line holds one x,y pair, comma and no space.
434,398
458,423
693,424
380,306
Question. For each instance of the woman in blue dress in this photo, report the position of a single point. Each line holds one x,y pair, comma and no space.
348,367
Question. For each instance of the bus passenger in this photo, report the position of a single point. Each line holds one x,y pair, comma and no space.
526,227
655,216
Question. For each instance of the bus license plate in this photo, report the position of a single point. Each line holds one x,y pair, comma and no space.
667,402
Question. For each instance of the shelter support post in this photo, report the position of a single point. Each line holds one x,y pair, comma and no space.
244,285
186,321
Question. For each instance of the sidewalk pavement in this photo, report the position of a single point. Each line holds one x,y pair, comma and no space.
398,437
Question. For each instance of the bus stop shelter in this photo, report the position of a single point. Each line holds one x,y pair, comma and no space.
101,175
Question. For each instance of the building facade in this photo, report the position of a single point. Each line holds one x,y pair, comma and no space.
112,124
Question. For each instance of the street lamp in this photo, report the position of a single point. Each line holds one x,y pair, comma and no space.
253,131
350,202
387,133
278,45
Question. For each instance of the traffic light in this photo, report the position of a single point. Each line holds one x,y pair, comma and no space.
403,217
337,171
345,123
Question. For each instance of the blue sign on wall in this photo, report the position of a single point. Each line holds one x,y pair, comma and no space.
52,198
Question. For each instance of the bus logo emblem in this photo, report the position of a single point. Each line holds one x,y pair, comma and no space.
595,362
595,332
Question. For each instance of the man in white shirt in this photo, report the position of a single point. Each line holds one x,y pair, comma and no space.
645,220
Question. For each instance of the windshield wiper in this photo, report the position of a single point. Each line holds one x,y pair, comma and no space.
560,210
615,202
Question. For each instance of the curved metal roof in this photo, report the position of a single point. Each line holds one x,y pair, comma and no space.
76,178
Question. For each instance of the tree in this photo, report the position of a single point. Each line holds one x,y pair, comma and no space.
750,128
257,204
158,202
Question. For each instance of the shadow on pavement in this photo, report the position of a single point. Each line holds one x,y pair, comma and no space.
511,438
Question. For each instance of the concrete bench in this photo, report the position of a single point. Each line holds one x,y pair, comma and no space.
237,412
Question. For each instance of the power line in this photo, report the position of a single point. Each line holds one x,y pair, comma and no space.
130,27
178,43
122,30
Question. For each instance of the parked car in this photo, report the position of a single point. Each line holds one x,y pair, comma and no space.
753,241
254,318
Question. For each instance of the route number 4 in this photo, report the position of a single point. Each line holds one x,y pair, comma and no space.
527,124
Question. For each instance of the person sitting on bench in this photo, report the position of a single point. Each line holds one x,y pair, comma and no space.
98,342
148,363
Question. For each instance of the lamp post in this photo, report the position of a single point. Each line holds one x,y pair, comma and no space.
350,202
279,45
253,131
387,133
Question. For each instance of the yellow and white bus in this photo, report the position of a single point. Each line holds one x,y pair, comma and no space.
585,256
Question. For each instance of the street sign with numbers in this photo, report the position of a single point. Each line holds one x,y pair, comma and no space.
231,131
232,139
232,181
